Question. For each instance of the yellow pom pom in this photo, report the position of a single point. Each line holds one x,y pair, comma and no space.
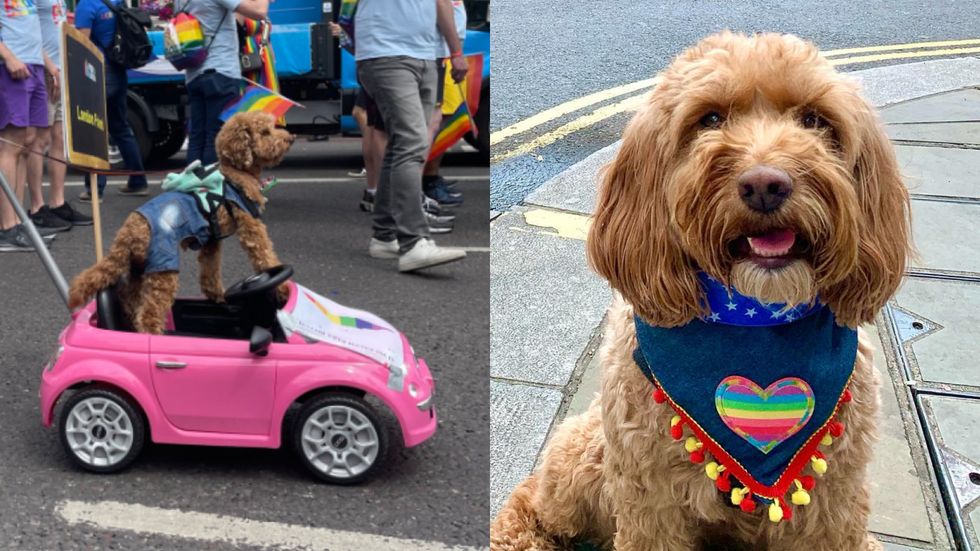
775,512
826,440
800,497
737,496
692,444
674,420
819,465
711,469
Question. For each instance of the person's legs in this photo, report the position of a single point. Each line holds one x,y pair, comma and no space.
122,134
195,133
35,168
374,152
9,154
219,92
404,90
56,154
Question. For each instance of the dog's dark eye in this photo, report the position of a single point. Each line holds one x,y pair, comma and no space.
712,120
812,119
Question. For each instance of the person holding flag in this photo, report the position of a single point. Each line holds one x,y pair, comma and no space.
216,82
433,185
395,45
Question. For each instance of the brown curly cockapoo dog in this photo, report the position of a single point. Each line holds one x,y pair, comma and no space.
149,252
752,165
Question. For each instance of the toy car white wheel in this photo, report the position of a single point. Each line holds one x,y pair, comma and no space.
101,431
339,438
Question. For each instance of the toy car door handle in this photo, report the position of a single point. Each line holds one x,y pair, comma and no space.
171,365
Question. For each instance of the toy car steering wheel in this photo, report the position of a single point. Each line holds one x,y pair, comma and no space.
262,282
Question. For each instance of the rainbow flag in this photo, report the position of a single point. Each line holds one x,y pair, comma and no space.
459,100
344,321
259,98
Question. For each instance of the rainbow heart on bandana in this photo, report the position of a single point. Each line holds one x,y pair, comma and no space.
764,417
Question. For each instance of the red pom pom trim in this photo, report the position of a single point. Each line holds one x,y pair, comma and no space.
748,504
659,395
808,482
677,431
697,456
787,511
836,429
723,483
846,396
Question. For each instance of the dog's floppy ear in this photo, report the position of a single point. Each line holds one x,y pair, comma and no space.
631,242
884,242
234,143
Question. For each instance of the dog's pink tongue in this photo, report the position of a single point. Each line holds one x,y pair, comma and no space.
774,242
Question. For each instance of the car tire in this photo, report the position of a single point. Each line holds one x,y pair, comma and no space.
167,141
143,140
339,438
94,418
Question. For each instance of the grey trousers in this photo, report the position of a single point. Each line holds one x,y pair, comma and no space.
405,90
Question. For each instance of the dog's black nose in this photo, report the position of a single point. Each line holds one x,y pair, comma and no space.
764,188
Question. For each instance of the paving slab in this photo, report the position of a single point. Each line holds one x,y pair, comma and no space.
960,105
575,189
898,506
956,420
949,353
960,133
520,416
946,235
544,301
940,171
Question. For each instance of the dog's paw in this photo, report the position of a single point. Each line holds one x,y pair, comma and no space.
215,295
283,294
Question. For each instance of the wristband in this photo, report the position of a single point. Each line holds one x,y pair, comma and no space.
457,54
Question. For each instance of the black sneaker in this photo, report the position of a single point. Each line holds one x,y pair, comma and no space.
13,240
367,201
68,213
45,218
141,192
438,224
47,234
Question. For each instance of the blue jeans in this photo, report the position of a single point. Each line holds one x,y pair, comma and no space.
116,84
208,96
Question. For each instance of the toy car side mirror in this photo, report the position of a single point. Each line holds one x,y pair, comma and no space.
260,340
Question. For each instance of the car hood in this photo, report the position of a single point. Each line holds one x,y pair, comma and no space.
317,318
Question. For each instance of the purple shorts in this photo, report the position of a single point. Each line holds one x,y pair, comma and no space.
23,103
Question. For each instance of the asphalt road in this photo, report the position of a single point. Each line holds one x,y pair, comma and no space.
436,492
546,56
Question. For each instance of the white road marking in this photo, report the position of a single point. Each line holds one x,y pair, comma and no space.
330,180
113,515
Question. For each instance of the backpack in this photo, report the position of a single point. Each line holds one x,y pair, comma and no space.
130,47
183,40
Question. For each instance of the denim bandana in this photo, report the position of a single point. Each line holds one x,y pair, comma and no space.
756,386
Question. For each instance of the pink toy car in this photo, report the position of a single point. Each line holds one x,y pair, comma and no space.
227,374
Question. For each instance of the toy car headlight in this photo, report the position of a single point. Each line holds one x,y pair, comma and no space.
54,358
413,390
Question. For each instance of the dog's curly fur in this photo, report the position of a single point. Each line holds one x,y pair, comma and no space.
246,144
669,206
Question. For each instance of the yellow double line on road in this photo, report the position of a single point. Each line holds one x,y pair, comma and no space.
864,54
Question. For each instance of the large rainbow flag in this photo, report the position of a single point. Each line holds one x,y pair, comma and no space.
459,102
259,98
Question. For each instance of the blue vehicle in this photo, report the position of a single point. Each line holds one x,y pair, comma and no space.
312,68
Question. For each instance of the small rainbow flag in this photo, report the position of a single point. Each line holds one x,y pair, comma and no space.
259,98
344,321
460,98
453,128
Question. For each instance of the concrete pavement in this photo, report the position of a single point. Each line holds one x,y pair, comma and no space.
547,311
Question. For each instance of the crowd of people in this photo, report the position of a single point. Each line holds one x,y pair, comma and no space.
402,48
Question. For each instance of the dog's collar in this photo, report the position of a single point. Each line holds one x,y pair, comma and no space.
758,400
727,306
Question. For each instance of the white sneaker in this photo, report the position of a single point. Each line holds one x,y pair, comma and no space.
426,254
383,249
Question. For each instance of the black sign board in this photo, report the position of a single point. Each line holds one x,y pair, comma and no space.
86,126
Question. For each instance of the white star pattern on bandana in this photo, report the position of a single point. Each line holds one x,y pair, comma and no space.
750,312
714,316
730,306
